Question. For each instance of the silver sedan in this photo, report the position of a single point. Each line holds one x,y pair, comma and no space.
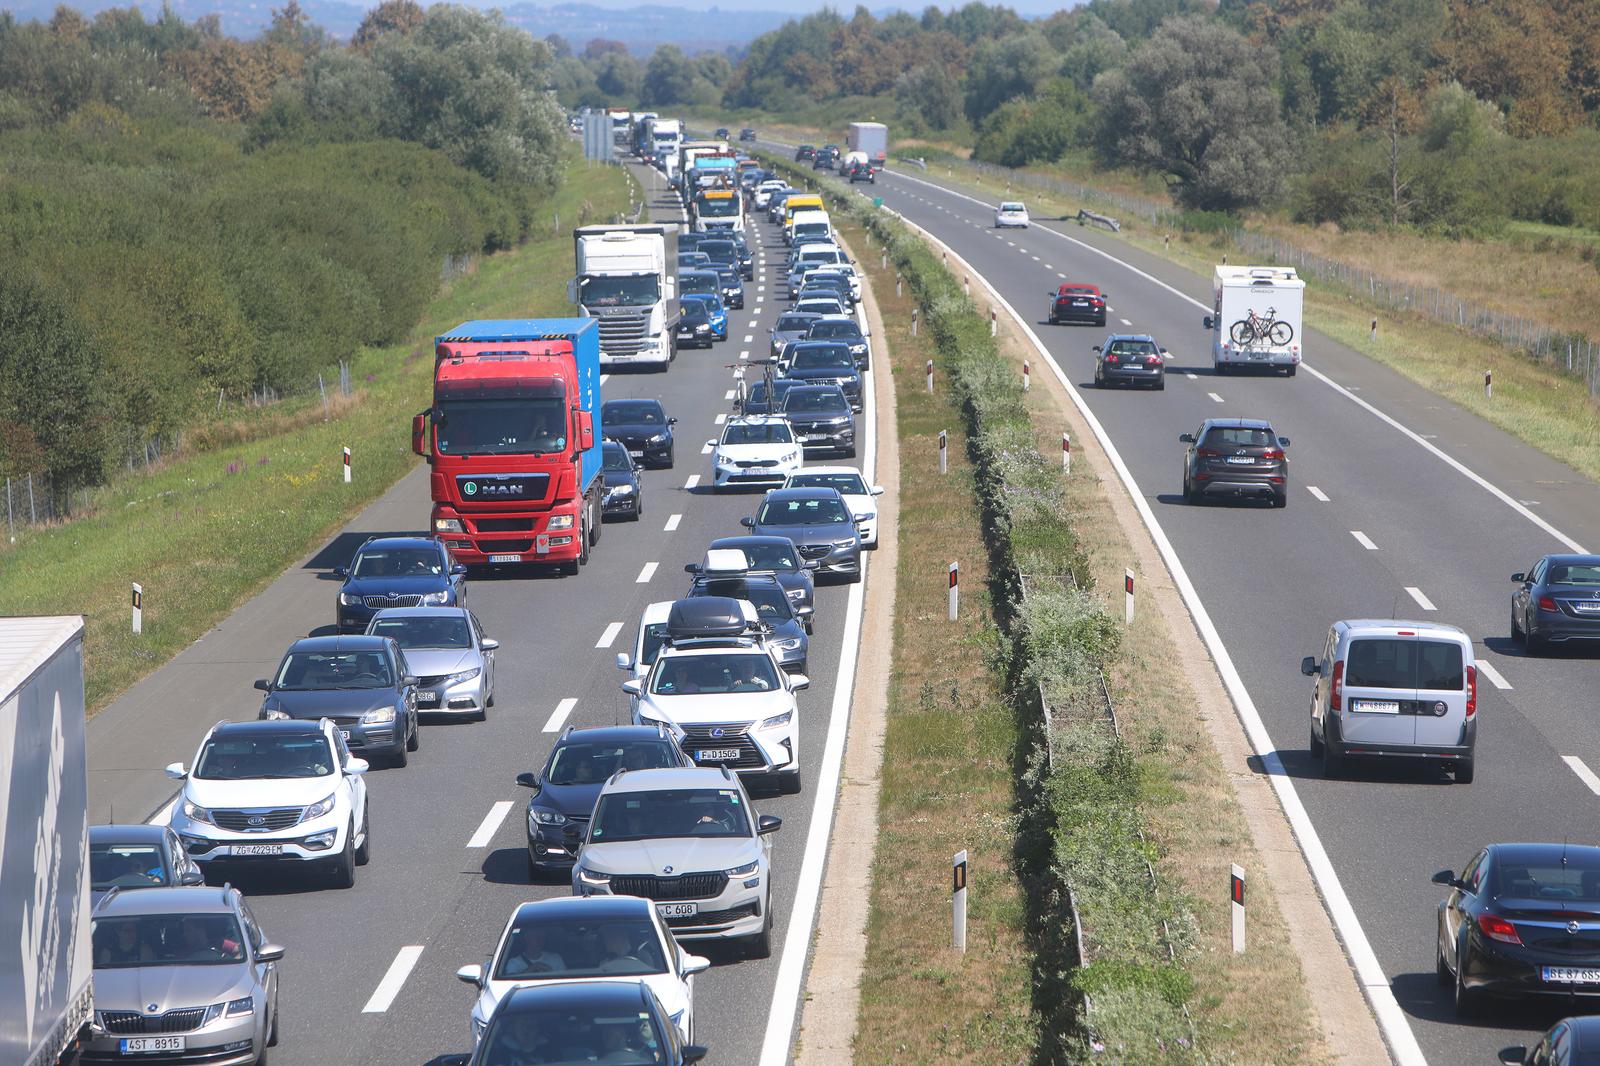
447,651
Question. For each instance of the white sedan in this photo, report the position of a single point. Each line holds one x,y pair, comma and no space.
858,496
760,450
1011,214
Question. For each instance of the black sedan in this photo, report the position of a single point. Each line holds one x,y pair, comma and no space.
747,259
1130,359
788,624
821,419
361,683
777,555
825,363
643,427
1236,457
624,496
1569,1042
126,857
847,330
398,572
580,1021
1556,602
564,791
1522,920
819,524
694,327
805,152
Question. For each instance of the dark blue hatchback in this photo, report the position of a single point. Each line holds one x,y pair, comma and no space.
398,572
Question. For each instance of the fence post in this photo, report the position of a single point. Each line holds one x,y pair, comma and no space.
33,511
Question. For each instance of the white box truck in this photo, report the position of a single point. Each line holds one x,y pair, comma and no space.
1255,318
627,278
46,964
871,138
665,136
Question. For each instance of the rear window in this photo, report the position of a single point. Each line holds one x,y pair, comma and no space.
1236,437
1575,881
1574,574
1387,662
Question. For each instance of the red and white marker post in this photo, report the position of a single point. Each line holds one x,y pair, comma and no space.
1236,898
347,466
1066,453
1127,588
955,589
943,448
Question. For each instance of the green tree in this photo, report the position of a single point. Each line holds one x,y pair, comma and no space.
668,78
391,16
1004,69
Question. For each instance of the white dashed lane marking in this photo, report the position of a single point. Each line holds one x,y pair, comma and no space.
722,417
694,479
490,823
1363,540
1318,493
1214,397
1585,774
672,523
609,635
646,573
393,980
559,716
1422,601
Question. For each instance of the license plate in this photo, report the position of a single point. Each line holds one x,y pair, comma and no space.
1080,303
1587,607
145,1045
1570,975
1376,706
1241,460
677,910
427,697
716,754
637,453
505,558
257,849
344,734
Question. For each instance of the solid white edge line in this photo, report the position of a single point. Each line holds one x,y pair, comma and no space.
163,816
1369,973
1585,774
559,715
609,636
1363,540
390,986
672,523
1422,601
1486,668
1318,493
803,913
646,573
490,823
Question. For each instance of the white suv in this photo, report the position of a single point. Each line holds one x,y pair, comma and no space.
277,791
760,450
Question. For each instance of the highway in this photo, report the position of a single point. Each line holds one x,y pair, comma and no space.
369,973
1401,505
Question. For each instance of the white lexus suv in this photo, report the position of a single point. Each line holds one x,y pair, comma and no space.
760,450
276,791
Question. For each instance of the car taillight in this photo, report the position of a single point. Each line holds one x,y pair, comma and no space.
1111,357
1272,453
1152,360
1497,928
1472,691
1336,690
1207,453
1548,604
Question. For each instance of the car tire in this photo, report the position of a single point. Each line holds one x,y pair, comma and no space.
760,945
1465,770
1532,643
1316,744
850,452
342,871
1188,491
364,852
1161,383
594,521
1291,371
414,738
789,782
1517,635
400,757
1280,500
272,1031
1441,969
855,578
1332,757
1465,1000
262,1058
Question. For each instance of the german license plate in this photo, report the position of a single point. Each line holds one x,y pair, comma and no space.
1376,706
677,910
257,849
505,558
1570,975
1241,460
145,1045
716,754
427,697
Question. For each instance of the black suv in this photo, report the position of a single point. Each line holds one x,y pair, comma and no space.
825,159
1236,457
643,427
821,418
721,134
747,134
805,152
825,363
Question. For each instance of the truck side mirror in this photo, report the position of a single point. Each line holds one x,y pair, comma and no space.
419,433
1208,322
585,430
572,290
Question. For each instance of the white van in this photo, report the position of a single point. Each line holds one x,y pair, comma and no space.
810,225
1393,688
1255,319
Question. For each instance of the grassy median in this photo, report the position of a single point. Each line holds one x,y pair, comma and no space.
206,531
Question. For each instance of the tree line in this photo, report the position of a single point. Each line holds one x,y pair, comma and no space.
186,218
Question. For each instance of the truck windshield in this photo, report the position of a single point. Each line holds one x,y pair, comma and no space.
502,427
624,291
725,207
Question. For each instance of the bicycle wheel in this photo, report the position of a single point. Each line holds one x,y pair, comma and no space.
1281,333
1242,332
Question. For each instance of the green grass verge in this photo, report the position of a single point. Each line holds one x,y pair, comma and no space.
205,532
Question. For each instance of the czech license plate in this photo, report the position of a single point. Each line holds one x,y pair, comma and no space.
427,697
505,558
1376,706
256,849
145,1045
1570,975
1241,460
677,910
716,754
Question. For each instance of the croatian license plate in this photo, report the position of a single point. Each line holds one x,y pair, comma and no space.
427,697
1570,975
677,910
145,1045
1376,706
256,849
716,754
505,558
1080,303
1241,460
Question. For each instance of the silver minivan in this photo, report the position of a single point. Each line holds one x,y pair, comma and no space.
1386,687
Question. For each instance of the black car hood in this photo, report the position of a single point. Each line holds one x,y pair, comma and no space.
633,430
812,418
620,477
810,373
574,801
818,534
329,703
410,585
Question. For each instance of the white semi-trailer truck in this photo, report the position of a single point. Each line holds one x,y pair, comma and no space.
627,278
46,964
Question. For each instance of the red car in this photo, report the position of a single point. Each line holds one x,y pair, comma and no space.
1078,303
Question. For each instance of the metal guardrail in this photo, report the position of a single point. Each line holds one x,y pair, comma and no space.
918,162
1107,221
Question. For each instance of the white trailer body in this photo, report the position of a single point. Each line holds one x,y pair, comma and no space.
46,964
627,278
666,134
871,138
1256,317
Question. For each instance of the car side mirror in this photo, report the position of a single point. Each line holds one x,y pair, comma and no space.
768,823
1283,442
472,975
624,661
1513,1056
341,571
712,443
1096,348
176,771
270,953
410,682
693,1053
457,569
194,876
798,682
811,564
528,779
694,964
490,644
672,421
357,766
1163,351
1308,665
1185,438
877,490
1519,576
633,686
1445,877
804,612
263,684
748,522
1208,322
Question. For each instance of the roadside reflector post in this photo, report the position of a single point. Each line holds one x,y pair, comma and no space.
955,589
347,466
138,608
966,284
914,316
994,325
943,445
899,285
1236,895
1066,453
1127,588
1488,384
944,259
958,901
930,371
1374,334
1027,376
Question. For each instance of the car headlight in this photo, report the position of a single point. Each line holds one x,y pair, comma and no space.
196,813
448,525
325,804
378,716
542,816
587,876
272,714
560,521
776,720
659,438
747,870
350,599
851,543
788,644
790,457
435,599
620,490
464,675
702,329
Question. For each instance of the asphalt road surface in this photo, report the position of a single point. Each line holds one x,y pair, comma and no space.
1382,521
369,973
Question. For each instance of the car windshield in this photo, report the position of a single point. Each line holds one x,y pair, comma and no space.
567,1037
246,758
705,281
335,669
1404,663
831,355
536,425
679,812
1140,348
715,675
1574,574
633,413
425,631
634,291
847,484
1571,878
126,866
795,323
831,330
759,433
583,762
616,457
542,948
398,562
764,556
825,401
802,512
122,943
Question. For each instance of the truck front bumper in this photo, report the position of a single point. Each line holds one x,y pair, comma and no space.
530,537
